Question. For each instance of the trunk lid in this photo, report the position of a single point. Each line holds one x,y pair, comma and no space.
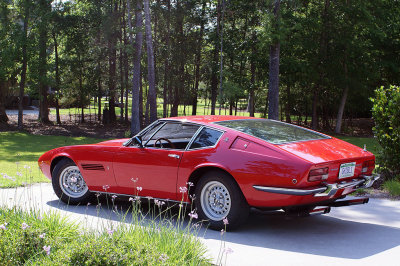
325,150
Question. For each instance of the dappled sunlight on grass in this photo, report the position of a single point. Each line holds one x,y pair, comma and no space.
19,153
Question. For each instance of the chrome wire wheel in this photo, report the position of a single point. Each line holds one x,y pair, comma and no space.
72,183
215,200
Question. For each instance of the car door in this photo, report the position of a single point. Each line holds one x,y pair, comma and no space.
154,167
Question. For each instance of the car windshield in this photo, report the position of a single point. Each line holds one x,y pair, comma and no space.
274,132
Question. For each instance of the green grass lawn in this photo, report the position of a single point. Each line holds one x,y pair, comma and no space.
202,109
19,153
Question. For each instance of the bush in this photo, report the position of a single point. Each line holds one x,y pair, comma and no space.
28,237
386,113
393,187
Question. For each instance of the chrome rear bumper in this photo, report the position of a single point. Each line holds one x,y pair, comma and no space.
362,181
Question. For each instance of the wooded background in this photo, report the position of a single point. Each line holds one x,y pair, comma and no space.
288,60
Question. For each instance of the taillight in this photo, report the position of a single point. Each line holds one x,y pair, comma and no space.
368,167
318,174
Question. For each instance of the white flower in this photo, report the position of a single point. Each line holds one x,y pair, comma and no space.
139,188
193,215
47,249
24,226
163,257
110,232
183,189
42,235
225,220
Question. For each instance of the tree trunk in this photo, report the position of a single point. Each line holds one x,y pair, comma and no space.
150,64
3,115
343,100
288,106
57,68
273,88
314,118
112,58
43,86
135,122
24,67
198,60
221,68
180,60
126,64
214,78
166,63
250,105
323,47
81,89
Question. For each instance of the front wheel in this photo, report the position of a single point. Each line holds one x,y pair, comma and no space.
68,183
219,197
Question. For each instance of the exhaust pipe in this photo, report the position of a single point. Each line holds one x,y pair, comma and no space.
320,210
341,203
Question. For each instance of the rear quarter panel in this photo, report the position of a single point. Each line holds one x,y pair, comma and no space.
250,162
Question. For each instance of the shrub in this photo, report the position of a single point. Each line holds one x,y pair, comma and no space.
386,113
28,237
393,187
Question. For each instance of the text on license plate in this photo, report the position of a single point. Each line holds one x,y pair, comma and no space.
347,170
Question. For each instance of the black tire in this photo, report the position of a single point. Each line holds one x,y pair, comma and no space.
65,169
230,203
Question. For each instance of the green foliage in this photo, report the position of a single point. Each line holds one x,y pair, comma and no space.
25,236
393,186
386,113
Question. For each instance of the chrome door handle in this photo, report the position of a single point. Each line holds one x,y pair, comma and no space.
174,155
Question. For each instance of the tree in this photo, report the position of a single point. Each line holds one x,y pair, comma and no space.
273,88
152,97
44,11
135,123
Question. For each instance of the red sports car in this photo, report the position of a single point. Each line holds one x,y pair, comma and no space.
226,163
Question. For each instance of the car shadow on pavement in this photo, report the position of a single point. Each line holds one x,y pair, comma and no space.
318,235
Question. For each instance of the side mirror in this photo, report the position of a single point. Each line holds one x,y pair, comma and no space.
138,140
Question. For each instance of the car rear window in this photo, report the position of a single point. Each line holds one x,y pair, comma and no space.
207,138
272,131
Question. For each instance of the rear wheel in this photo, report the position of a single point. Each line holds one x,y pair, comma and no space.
219,197
68,183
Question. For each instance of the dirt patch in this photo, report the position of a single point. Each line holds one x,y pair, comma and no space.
69,127
377,194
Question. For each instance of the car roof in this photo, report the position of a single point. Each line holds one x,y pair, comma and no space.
207,119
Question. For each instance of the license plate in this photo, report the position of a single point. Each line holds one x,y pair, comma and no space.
347,170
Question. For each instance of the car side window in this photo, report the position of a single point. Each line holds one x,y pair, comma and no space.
151,131
207,138
173,135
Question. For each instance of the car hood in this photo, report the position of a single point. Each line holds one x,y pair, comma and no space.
319,151
114,142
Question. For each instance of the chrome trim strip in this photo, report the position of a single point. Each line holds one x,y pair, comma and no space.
194,137
209,147
290,191
370,179
144,145
327,190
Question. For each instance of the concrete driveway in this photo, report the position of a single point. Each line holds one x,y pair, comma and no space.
357,235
